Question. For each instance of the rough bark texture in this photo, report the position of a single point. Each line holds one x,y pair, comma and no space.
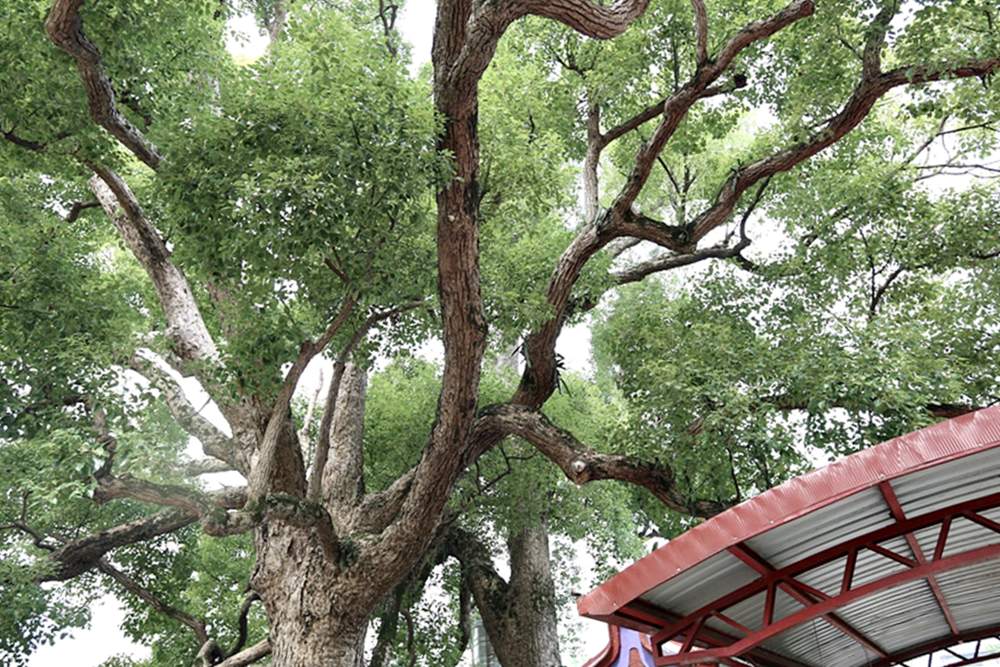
313,621
533,635
65,29
519,614
343,484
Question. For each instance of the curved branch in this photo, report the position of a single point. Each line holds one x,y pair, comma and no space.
589,18
538,381
478,570
857,108
196,625
582,465
186,330
653,111
168,495
65,28
670,261
78,556
205,467
248,656
241,621
215,443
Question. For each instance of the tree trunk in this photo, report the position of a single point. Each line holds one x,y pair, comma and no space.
316,618
533,633
520,616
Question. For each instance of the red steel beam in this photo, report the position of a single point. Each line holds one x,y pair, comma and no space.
983,521
889,495
845,549
804,595
931,647
709,636
892,555
922,571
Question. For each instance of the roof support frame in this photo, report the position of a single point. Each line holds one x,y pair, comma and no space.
650,617
820,608
856,584
944,516
889,495
931,649
803,594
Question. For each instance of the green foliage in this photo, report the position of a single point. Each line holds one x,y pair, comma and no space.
864,314
66,288
32,616
307,178
321,167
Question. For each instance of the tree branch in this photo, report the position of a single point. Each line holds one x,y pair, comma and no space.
241,623
205,467
168,495
871,58
214,442
186,328
865,95
78,556
343,480
323,438
582,465
65,28
538,380
277,425
670,261
701,30
196,625
589,18
388,624
79,207
258,651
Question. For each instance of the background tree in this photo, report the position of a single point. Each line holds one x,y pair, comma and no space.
282,212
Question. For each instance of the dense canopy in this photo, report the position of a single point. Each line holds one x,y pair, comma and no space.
281,361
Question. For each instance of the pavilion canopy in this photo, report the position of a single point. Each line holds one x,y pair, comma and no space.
884,556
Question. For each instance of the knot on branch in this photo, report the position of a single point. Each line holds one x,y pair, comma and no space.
580,471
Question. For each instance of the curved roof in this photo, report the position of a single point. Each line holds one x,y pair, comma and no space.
889,551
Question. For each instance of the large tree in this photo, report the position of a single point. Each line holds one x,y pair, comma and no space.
321,204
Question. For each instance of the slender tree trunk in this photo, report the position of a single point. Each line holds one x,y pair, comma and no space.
532,638
520,615
591,191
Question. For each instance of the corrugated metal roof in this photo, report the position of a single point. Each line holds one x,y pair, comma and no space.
693,589
937,489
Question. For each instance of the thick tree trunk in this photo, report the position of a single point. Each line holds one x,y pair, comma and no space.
317,615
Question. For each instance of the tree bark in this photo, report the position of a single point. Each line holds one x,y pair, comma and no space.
316,619
520,615
531,634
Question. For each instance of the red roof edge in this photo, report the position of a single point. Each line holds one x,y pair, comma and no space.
928,447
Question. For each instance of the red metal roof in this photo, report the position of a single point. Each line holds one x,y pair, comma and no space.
889,551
